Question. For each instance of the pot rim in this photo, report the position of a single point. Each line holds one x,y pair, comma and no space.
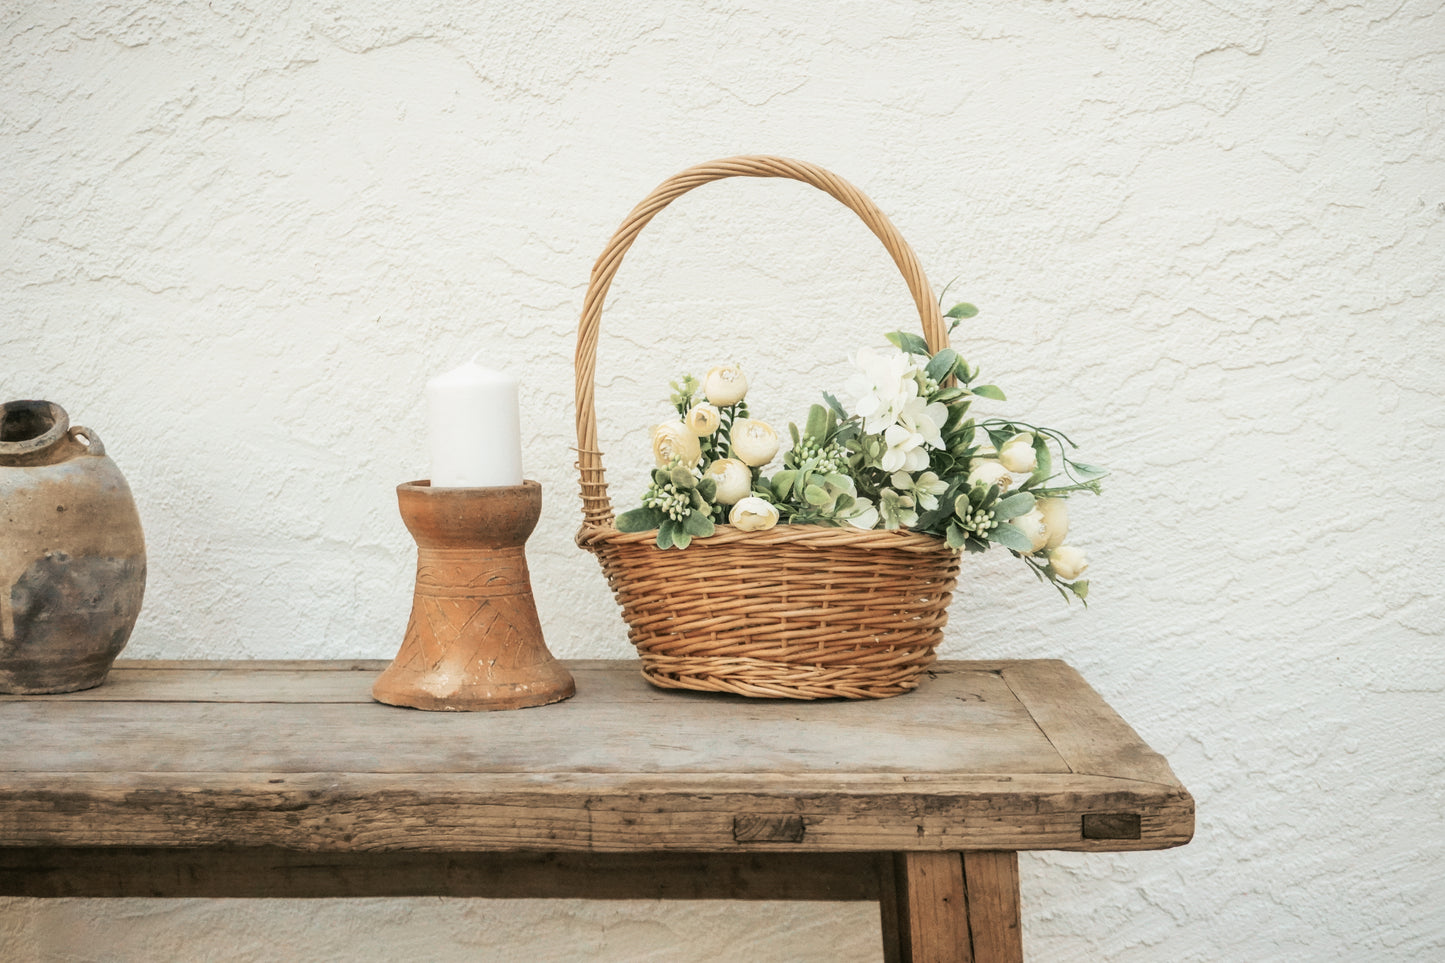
52,435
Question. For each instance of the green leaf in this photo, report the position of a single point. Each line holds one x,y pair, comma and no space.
1079,588
989,391
682,478
956,537
976,545
1043,459
942,364
698,524
835,404
817,422
1011,536
1087,471
793,430
961,310
814,495
707,488
667,533
1019,503
962,506
639,520
782,484
911,343
698,502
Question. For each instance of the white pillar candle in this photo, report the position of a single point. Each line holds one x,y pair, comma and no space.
474,428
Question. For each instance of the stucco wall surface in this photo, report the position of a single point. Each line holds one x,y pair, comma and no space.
1206,240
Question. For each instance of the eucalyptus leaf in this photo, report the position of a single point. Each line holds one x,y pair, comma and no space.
955,536
639,520
989,391
961,310
1019,503
942,364
911,343
1087,471
698,524
1011,536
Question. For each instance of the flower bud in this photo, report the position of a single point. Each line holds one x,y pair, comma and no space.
987,473
702,420
754,442
1033,526
1056,519
734,480
673,442
1068,562
725,385
1017,454
753,514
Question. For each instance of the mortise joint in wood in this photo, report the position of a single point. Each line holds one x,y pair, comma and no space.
768,829
1111,826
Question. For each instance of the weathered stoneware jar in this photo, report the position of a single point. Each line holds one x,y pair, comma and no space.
72,556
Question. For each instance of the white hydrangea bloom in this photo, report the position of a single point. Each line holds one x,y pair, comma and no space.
886,382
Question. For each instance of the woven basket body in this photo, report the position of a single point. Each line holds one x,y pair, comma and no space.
797,611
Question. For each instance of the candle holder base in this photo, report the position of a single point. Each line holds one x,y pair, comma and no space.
473,641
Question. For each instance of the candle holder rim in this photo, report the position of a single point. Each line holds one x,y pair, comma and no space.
425,485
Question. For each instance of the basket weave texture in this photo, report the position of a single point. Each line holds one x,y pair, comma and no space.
797,611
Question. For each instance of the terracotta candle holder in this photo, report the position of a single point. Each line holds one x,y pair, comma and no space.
474,640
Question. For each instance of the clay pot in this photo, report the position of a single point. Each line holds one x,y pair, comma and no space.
72,555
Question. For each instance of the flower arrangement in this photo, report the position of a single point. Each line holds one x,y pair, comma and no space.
904,454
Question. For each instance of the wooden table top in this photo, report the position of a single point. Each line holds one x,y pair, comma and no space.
984,755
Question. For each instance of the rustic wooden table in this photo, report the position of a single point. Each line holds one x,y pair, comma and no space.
253,779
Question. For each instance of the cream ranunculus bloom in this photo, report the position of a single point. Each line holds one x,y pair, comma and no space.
1033,526
1056,518
702,420
673,442
734,480
725,385
986,473
753,514
754,442
1068,562
1017,454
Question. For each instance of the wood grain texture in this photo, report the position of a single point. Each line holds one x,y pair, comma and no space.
932,916
281,873
961,764
991,881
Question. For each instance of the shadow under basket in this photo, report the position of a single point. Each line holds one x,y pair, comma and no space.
797,611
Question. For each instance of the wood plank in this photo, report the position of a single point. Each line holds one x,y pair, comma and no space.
582,812
1087,733
991,881
277,873
964,722
932,908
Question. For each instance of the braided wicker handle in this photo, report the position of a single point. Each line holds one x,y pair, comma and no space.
596,507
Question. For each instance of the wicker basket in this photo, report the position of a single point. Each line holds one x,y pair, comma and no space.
797,611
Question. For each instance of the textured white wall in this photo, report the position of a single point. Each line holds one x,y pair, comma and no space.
1206,238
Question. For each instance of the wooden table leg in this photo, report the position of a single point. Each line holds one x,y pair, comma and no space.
951,908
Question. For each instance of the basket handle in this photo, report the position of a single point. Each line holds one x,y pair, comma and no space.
596,506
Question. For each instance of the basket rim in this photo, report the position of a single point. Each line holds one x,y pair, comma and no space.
815,536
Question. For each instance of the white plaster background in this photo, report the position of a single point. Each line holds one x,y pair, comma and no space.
1205,238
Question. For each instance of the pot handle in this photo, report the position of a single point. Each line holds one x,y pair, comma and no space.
87,439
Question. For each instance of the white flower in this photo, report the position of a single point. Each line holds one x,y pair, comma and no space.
886,382
754,442
673,442
905,450
1033,526
1056,517
986,473
1017,454
862,515
725,385
734,480
753,514
925,489
702,420
1068,562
